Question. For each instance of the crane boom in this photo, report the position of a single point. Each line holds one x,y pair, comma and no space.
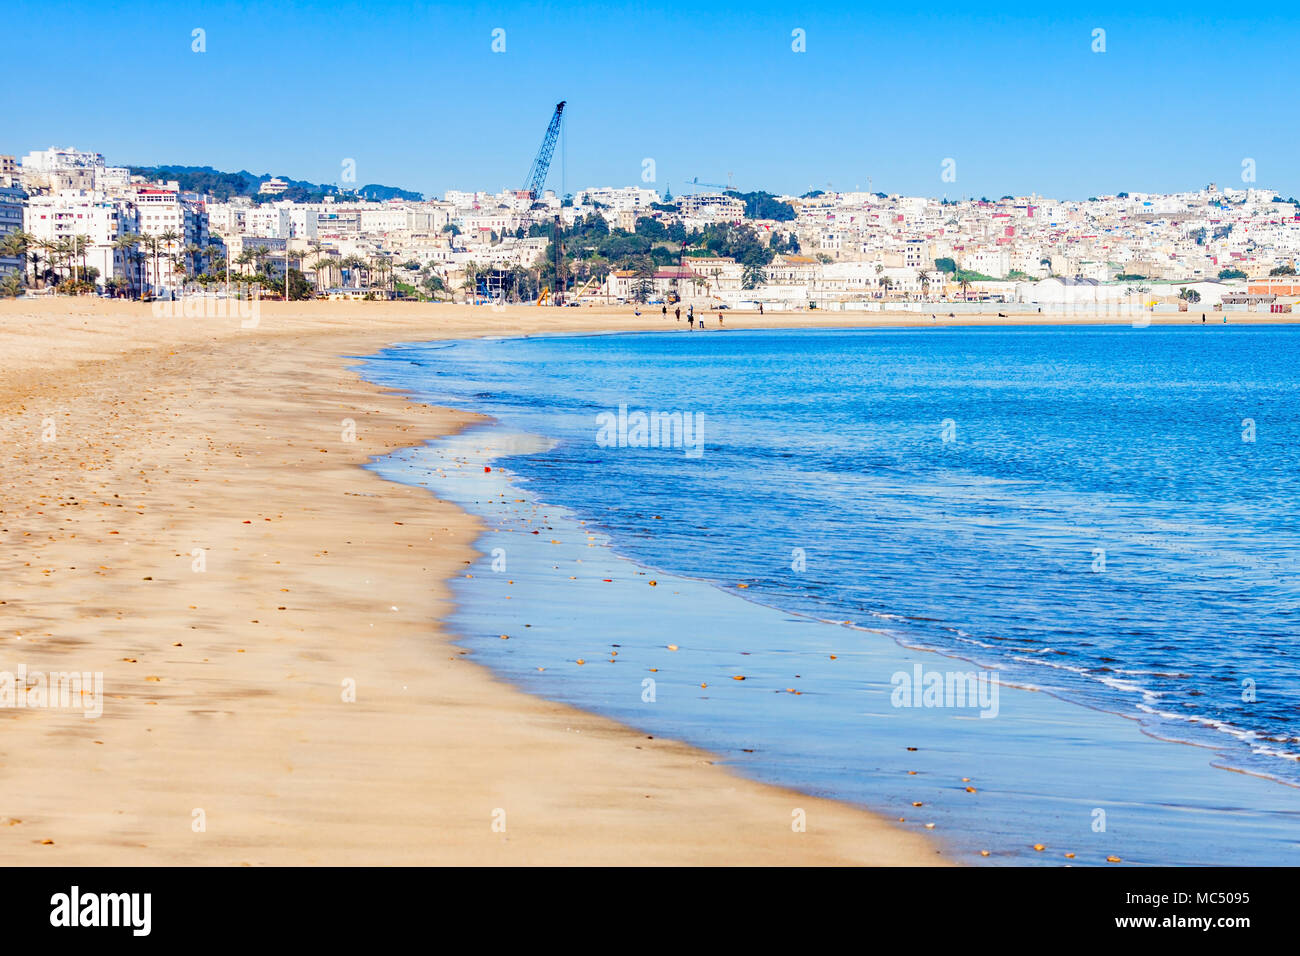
542,164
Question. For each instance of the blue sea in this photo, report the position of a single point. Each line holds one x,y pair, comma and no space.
1107,519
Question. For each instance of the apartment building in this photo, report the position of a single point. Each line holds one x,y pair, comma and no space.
67,214
12,204
159,211
626,198
711,207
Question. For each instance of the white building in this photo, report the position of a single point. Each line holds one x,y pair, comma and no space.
48,160
160,211
711,207
67,214
622,199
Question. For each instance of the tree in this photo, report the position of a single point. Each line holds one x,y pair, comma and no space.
753,276
470,285
1231,274
642,289
191,252
127,245
1189,295
78,246
11,285
169,240
299,287
1282,271
945,264
153,243
35,258
15,245
212,255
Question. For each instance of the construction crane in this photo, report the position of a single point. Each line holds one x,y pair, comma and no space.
729,188
532,189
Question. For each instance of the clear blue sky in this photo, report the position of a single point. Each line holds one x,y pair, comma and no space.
1013,92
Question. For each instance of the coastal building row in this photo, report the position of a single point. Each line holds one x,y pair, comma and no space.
863,245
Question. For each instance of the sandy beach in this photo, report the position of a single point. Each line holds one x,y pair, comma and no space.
183,510
197,528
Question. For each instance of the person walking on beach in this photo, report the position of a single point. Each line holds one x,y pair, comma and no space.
679,313
760,308
1202,318
719,318
665,311
690,320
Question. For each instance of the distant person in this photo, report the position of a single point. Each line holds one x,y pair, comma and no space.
679,313
719,318
690,320
760,308
690,311
1202,318
665,311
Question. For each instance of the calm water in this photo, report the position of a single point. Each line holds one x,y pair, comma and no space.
1078,509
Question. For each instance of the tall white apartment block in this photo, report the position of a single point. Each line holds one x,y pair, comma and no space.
69,213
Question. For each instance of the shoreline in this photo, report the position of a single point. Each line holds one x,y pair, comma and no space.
177,436
1188,784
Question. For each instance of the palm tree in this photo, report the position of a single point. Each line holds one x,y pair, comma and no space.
192,252
176,263
68,253
925,283
152,244
243,259
211,255
138,258
332,264
126,245
965,288
471,277
169,239
355,266
80,244
35,258
380,265
53,249
320,256
15,246
260,255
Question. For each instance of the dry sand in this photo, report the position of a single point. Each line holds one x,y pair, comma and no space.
178,437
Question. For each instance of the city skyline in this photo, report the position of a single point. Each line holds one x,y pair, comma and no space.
958,106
